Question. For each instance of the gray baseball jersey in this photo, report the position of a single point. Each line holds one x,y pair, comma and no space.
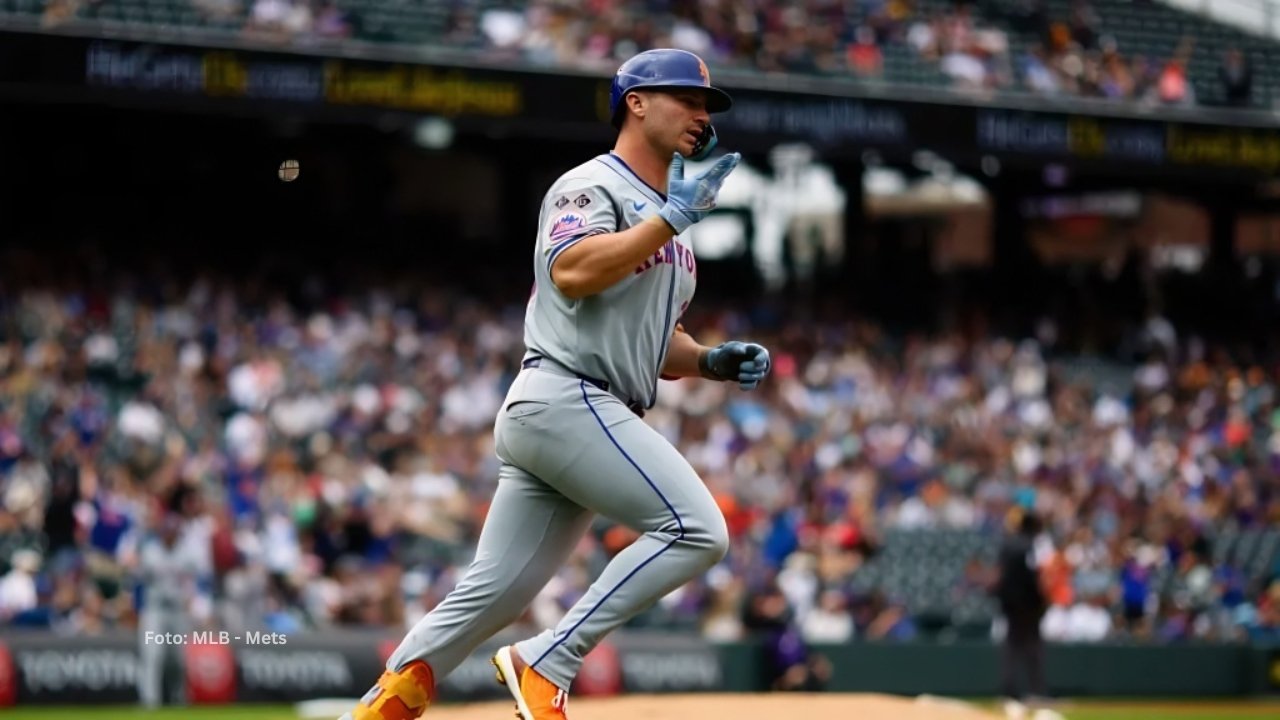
169,575
571,449
621,334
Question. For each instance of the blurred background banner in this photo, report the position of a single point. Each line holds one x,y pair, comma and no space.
841,121
56,671
53,671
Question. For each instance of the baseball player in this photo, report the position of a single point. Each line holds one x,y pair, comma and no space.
168,571
612,279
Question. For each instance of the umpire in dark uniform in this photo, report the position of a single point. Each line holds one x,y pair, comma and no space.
1022,602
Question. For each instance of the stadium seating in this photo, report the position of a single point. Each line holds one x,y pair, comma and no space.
1254,552
1150,30
924,570
1154,31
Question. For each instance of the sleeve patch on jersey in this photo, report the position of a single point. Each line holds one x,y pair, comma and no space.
567,226
582,201
562,202
553,251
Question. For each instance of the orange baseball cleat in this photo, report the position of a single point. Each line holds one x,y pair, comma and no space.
402,694
537,698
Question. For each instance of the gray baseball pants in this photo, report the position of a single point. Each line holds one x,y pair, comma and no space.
570,450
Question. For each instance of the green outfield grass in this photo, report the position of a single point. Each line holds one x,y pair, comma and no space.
1170,711
1137,714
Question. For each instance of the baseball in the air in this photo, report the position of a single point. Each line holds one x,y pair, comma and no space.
288,170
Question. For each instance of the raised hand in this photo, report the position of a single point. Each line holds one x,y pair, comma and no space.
689,200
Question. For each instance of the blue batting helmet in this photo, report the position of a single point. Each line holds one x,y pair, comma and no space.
664,68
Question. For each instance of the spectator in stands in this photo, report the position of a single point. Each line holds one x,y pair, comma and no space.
864,56
463,28
1084,24
18,586
1173,86
829,622
17,532
1236,76
1264,623
924,36
57,12
1135,591
879,617
1116,81
267,19
1037,74
219,11
332,22
792,667
1145,74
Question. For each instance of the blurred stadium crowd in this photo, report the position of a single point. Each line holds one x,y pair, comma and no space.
318,455
1134,50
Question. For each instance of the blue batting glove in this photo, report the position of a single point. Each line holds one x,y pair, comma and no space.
742,362
688,201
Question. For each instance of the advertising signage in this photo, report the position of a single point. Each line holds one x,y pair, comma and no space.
576,105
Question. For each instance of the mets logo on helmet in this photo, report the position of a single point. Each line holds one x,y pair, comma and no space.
702,70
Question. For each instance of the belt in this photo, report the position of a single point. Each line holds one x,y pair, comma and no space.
550,365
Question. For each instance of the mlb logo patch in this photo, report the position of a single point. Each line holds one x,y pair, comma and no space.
566,226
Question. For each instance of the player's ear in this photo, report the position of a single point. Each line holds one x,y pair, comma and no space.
637,103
